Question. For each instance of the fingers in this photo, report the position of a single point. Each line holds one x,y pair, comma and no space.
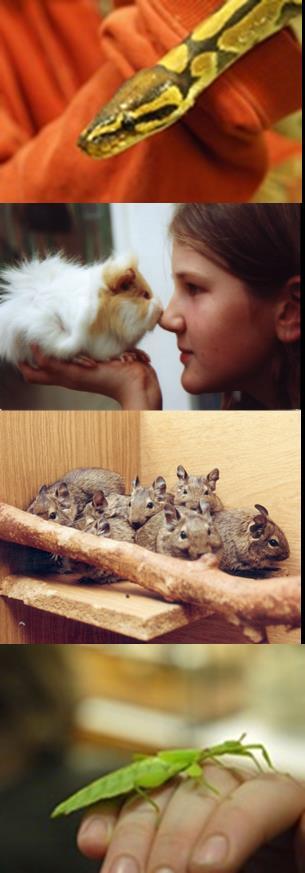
96,830
258,810
132,836
187,813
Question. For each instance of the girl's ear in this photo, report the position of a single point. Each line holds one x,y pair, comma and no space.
288,327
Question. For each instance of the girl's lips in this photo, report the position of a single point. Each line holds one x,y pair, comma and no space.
185,356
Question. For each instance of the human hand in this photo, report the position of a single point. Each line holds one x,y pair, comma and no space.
248,826
132,383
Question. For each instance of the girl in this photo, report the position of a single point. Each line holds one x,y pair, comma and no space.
235,313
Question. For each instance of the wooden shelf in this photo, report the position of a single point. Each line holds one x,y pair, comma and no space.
122,607
119,612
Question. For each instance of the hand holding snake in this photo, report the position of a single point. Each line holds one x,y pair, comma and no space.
158,96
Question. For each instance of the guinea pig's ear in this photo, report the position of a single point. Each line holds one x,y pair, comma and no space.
259,522
182,474
123,282
135,483
172,516
43,489
159,486
212,478
99,500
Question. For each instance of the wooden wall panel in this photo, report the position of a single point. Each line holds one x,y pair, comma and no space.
38,447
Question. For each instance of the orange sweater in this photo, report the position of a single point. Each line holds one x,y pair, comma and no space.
59,65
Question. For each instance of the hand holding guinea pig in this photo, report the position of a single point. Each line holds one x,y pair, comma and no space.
99,310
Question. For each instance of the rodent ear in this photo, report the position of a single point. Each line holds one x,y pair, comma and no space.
213,477
135,483
99,500
258,525
204,506
172,516
62,491
159,485
261,508
181,473
123,282
43,489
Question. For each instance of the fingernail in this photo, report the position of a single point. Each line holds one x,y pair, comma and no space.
96,828
124,864
164,870
213,851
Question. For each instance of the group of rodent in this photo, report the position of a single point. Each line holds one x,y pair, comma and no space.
186,522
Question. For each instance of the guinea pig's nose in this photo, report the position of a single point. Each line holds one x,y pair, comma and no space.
135,525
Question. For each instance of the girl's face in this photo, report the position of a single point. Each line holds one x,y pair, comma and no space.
226,337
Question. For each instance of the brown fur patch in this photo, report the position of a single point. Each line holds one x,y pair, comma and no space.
108,318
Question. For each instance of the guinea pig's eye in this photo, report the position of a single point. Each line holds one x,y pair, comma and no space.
184,491
273,542
206,491
183,535
208,531
124,286
150,504
52,515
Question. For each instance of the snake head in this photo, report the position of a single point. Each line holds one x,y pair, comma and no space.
148,102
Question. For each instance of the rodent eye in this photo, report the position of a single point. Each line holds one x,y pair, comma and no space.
183,535
273,542
52,515
150,504
184,491
125,285
208,531
146,295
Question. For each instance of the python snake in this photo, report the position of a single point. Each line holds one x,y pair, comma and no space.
158,96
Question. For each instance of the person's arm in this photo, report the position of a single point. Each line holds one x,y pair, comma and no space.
133,384
198,831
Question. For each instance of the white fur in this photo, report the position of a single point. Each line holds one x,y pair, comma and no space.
55,301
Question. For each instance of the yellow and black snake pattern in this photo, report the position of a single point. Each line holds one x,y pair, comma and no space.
158,96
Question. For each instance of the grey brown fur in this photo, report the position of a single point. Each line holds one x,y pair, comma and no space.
251,540
191,489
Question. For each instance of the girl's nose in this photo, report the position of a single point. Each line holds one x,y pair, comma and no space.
172,322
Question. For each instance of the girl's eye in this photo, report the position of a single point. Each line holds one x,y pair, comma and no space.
192,289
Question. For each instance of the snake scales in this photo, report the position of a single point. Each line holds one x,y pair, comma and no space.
158,96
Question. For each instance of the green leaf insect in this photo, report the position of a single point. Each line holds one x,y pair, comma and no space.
149,772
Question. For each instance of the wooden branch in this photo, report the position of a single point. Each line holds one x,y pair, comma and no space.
241,601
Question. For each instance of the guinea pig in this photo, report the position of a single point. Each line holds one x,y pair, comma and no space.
68,309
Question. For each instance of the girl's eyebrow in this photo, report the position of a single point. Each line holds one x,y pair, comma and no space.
189,274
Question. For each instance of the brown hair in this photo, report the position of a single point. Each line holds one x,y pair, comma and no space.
259,243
